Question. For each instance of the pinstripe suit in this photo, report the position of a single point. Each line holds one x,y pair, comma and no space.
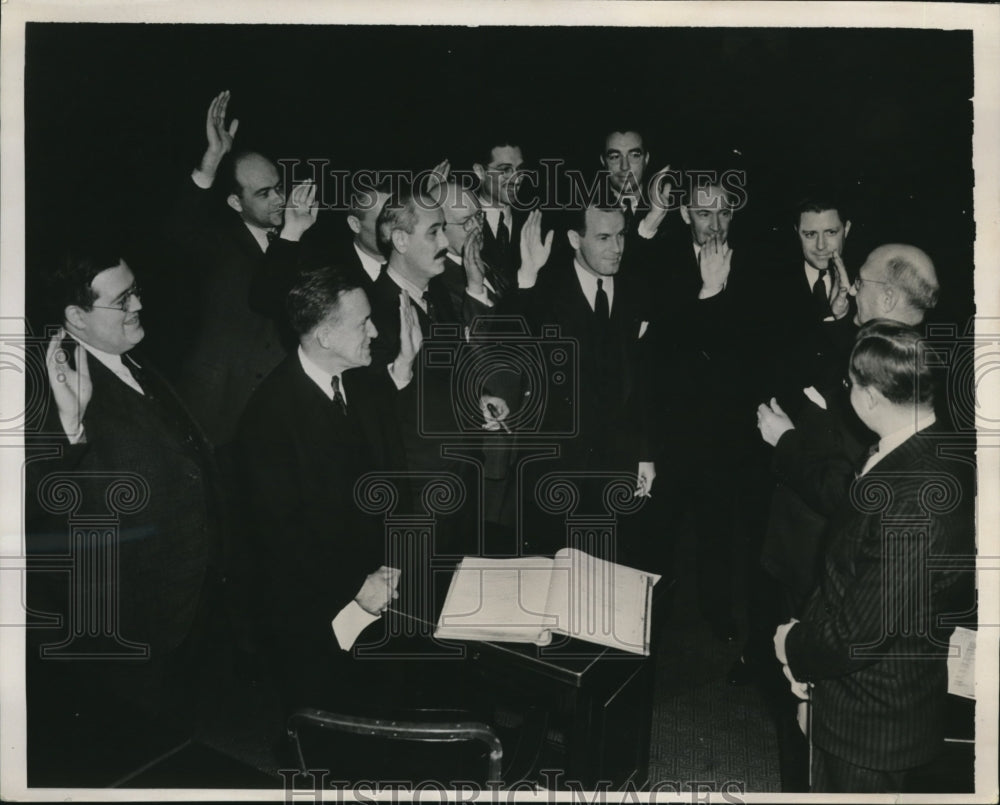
868,637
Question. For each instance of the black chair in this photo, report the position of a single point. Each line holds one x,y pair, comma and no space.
356,748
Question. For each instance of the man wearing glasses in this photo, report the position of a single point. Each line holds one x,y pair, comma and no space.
130,451
500,176
817,454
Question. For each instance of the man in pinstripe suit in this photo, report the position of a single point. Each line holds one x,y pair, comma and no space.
871,640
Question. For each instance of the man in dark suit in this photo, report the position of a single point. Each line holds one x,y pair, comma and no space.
315,426
817,450
234,346
605,410
813,334
133,455
700,330
870,640
500,175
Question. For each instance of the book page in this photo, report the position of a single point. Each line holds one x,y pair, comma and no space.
600,601
498,599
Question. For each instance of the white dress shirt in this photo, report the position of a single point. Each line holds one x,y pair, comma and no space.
893,440
588,282
372,266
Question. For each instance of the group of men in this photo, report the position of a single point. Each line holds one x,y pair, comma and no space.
446,333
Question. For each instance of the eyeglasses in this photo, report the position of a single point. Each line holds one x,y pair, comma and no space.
846,383
474,220
859,281
135,291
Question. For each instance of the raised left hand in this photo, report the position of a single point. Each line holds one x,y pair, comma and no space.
644,479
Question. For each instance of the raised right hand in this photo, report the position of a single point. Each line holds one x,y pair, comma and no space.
220,139
534,251
71,388
714,262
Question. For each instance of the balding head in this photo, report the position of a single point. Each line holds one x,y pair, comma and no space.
896,282
462,215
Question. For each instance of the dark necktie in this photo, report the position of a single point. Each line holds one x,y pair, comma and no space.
496,279
271,237
629,213
338,396
503,233
431,313
820,295
602,311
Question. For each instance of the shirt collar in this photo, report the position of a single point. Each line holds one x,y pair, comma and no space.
320,376
372,266
891,441
493,216
415,293
259,235
115,364
588,282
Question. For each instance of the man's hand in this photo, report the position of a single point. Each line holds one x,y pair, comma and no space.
379,590
534,251
220,139
410,339
714,261
439,175
645,478
300,212
772,422
495,417
839,286
659,201
472,261
72,389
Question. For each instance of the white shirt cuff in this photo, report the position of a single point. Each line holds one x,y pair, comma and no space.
645,231
350,622
200,179
483,297
399,384
76,438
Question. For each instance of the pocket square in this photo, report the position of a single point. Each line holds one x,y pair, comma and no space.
815,396
643,326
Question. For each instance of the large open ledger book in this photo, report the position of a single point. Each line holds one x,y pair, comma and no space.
528,599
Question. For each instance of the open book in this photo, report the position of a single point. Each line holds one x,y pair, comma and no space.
528,599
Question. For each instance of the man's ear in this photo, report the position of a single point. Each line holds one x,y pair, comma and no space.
847,229
574,239
645,160
73,316
480,170
234,201
354,223
890,298
400,240
685,214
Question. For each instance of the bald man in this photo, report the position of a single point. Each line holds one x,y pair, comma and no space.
817,451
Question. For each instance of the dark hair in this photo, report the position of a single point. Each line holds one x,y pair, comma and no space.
315,295
635,129
399,213
888,356
71,280
504,140
601,199
363,195
821,203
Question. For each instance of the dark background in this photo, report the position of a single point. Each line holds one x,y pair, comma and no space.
115,117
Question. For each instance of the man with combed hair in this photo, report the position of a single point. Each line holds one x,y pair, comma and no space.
870,639
310,431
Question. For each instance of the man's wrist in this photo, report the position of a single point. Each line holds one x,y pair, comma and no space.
204,174
292,233
401,372
708,291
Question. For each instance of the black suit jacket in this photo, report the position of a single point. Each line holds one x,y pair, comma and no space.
608,399
234,347
147,465
505,260
299,459
869,638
